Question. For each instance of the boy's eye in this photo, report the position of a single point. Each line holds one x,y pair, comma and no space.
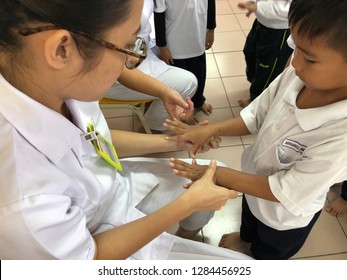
309,60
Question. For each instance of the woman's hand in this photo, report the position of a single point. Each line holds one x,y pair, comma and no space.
204,194
176,107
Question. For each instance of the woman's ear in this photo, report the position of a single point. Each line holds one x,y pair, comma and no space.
59,48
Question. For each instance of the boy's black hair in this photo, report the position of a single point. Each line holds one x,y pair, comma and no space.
316,18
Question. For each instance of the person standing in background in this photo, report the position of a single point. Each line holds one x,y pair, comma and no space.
184,30
266,50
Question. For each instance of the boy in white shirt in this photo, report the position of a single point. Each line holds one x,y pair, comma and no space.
300,149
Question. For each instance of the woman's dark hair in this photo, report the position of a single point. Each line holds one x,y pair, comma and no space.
315,18
94,17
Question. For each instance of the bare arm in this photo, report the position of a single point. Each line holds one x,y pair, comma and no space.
254,185
135,144
141,82
123,241
173,102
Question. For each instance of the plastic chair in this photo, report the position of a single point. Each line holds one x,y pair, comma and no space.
137,106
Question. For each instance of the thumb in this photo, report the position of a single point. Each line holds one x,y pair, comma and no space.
211,170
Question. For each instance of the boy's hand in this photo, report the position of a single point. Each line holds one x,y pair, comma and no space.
204,194
198,138
191,171
165,55
209,39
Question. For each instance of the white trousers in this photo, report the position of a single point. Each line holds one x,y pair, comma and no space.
184,82
167,190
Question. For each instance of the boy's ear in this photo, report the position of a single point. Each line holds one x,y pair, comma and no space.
58,49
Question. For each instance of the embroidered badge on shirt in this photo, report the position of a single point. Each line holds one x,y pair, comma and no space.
294,145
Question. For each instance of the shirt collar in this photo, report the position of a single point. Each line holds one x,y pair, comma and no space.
48,131
313,118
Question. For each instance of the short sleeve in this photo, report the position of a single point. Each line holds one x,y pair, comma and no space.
45,227
159,6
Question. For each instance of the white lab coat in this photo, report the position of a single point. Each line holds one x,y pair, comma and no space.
55,191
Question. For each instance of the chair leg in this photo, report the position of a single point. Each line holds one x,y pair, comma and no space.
140,113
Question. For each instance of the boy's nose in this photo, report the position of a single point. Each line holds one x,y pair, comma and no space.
297,60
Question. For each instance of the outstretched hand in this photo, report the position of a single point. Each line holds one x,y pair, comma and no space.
250,6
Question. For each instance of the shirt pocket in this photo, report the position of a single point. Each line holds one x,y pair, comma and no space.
289,152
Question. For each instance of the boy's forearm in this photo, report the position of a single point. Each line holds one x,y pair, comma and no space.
232,127
254,185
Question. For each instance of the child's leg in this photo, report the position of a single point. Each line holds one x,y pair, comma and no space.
197,65
272,53
339,206
249,51
271,244
241,241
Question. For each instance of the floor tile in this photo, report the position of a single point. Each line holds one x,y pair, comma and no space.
236,88
227,23
245,22
215,93
223,7
229,41
212,69
226,220
230,156
325,238
231,63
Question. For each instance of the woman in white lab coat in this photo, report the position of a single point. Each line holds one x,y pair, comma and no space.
170,80
61,195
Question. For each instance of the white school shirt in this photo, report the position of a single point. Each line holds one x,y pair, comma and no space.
186,26
152,65
54,189
302,151
273,13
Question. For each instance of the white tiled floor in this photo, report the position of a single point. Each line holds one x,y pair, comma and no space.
226,83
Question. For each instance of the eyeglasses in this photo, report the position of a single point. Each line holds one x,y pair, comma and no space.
136,52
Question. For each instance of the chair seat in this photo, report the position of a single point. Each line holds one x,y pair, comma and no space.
137,106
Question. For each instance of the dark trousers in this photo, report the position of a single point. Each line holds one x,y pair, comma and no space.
196,65
266,53
344,190
268,243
